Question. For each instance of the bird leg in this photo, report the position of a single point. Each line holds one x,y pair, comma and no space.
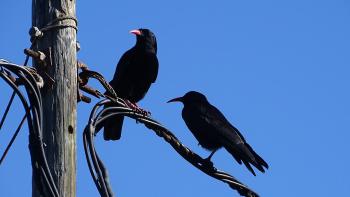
211,154
207,161
136,108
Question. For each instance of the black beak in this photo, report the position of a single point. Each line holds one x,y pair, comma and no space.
179,99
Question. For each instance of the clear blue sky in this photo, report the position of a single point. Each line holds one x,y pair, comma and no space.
278,70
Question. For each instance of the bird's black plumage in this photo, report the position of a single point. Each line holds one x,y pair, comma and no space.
137,69
213,130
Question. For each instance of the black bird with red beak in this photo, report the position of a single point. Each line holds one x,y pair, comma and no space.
213,131
137,69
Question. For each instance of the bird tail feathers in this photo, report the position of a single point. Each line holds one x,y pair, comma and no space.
113,128
246,154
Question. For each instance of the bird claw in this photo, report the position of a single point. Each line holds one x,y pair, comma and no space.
136,108
208,164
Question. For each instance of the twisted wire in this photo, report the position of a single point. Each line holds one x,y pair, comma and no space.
98,170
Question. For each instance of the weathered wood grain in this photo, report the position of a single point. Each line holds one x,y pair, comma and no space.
59,102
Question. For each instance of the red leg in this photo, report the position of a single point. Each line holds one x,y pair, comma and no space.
135,107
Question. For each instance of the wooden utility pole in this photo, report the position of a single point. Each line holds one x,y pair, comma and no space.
60,100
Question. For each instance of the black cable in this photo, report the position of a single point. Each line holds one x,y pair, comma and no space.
34,116
41,170
13,138
7,109
98,116
98,171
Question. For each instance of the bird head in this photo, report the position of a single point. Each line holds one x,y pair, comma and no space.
145,37
190,97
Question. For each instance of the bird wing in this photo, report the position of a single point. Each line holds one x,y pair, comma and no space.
123,66
232,139
211,115
155,72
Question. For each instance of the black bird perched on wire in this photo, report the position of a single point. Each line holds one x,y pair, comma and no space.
137,69
213,131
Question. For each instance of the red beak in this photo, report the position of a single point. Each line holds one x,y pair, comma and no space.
136,32
179,99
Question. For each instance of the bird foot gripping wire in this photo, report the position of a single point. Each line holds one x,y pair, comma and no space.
136,108
206,163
